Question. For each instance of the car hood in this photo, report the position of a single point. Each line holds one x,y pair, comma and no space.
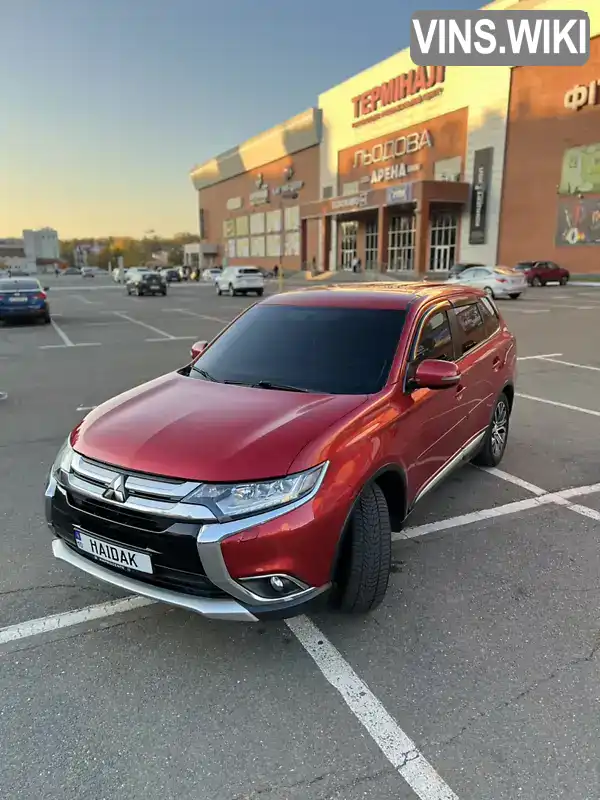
192,429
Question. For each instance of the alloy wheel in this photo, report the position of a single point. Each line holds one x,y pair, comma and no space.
499,428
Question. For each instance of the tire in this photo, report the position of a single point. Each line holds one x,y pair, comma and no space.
366,557
260,292
164,292
47,319
515,295
492,451
139,292
489,291
219,292
536,281
563,281
231,290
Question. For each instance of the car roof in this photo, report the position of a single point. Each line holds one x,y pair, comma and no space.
18,279
398,294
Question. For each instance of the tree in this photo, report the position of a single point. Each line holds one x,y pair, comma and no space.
176,256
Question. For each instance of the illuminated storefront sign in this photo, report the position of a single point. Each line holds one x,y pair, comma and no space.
394,148
403,91
394,172
350,203
584,95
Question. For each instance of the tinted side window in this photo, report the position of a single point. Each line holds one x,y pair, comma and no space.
471,325
435,339
490,317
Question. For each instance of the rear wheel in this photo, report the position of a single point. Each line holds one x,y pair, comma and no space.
47,318
496,437
366,557
231,290
515,295
260,292
219,292
564,280
536,281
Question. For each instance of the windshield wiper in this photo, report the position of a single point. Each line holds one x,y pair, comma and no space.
281,386
206,375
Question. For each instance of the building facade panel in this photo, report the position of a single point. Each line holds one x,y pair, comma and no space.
551,199
254,217
396,96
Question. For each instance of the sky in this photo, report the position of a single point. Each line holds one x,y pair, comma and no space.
108,104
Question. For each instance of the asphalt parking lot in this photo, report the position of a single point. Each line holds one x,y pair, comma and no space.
476,679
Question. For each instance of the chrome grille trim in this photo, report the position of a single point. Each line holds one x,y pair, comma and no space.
146,495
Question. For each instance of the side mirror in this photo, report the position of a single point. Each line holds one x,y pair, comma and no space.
197,349
434,374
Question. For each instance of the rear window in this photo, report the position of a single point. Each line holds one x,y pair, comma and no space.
248,271
322,350
26,286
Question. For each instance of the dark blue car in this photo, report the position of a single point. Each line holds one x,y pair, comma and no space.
23,298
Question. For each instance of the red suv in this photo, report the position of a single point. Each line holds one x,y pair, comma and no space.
271,470
539,273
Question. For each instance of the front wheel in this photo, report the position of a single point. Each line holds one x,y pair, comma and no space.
366,556
219,292
515,295
260,292
564,280
537,281
496,437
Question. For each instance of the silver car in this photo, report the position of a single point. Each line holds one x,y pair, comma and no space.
498,282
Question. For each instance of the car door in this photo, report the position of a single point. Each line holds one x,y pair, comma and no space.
481,358
554,271
432,420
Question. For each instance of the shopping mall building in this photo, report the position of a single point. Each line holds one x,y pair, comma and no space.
410,169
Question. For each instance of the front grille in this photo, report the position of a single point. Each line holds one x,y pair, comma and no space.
118,515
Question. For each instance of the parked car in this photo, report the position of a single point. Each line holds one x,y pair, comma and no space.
141,282
456,269
499,282
539,273
211,274
88,272
171,275
240,280
119,275
71,271
24,298
269,472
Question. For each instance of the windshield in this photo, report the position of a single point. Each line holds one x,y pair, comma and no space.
25,286
322,350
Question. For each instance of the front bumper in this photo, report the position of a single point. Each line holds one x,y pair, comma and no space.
203,566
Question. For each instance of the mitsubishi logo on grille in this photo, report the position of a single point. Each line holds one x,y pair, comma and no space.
116,490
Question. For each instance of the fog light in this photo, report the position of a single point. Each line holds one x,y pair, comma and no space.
273,587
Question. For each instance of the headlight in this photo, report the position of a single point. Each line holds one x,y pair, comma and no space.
62,462
238,500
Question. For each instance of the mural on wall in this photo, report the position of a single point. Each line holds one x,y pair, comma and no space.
580,173
578,222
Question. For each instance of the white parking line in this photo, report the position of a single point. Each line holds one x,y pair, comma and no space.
570,363
204,316
568,406
86,300
162,334
85,408
395,745
62,335
471,517
506,476
531,358
34,627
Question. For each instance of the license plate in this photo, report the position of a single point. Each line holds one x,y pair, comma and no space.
18,300
113,553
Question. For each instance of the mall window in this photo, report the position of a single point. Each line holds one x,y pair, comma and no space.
371,244
349,235
443,233
401,242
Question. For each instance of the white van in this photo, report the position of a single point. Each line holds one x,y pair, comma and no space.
240,280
